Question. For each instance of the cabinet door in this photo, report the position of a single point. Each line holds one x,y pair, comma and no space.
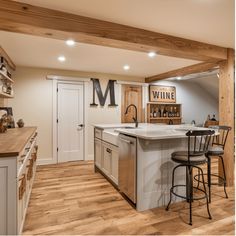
8,195
106,162
98,152
131,94
114,165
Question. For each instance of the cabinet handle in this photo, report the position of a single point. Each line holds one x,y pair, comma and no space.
30,170
108,150
22,186
126,141
36,148
34,156
22,158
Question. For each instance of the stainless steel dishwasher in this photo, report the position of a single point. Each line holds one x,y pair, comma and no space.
127,166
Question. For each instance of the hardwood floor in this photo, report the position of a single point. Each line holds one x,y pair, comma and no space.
70,198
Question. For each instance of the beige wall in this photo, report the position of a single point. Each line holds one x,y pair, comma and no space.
33,103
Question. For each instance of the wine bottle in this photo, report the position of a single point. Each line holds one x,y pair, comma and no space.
154,113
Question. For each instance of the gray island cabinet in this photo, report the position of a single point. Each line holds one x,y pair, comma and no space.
106,156
144,161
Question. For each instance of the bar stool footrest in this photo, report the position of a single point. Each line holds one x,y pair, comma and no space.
187,198
206,182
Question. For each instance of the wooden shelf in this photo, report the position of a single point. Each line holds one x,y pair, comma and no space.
5,95
161,103
6,77
175,108
165,118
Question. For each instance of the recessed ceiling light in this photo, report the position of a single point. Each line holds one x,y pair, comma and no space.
70,42
179,78
126,67
152,54
61,58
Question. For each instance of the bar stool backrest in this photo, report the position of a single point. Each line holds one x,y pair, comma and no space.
220,140
198,142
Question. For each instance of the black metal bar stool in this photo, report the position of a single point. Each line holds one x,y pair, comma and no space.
198,142
216,150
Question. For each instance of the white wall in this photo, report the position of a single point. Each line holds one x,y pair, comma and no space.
33,102
196,102
101,115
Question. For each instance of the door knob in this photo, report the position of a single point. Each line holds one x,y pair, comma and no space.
80,126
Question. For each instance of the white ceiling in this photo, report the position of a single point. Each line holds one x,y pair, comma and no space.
27,50
210,21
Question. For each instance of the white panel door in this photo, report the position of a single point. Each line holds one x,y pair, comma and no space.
70,122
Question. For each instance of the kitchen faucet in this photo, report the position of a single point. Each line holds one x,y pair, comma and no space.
136,114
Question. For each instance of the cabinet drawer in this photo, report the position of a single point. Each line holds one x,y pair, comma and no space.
106,159
98,133
110,161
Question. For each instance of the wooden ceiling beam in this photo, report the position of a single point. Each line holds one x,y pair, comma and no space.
196,68
33,20
7,58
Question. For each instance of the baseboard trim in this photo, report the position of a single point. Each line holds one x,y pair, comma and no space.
90,157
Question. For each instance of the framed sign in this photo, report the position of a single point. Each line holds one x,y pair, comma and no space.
159,93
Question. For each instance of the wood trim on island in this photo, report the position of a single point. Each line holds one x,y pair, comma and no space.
34,20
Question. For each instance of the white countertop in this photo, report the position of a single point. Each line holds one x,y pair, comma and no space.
151,131
113,126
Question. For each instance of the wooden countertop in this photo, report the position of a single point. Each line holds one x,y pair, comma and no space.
13,141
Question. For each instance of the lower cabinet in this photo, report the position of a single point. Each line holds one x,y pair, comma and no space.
25,183
16,180
106,159
114,165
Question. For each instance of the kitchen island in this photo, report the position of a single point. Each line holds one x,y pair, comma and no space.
144,166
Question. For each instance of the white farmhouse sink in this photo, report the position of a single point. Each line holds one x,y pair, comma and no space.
110,136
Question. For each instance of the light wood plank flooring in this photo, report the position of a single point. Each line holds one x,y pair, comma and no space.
70,198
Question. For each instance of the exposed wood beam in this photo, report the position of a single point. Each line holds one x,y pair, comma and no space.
196,68
227,114
7,58
28,19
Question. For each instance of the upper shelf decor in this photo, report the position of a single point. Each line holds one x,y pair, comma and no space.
159,93
6,65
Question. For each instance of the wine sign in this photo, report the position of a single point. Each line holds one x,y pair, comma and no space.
159,93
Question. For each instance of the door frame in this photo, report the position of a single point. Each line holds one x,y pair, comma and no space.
75,81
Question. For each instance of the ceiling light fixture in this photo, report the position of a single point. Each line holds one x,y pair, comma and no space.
61,58
70,42
179,78
152,54
126,67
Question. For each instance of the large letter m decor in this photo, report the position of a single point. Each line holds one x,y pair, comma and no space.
102,98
